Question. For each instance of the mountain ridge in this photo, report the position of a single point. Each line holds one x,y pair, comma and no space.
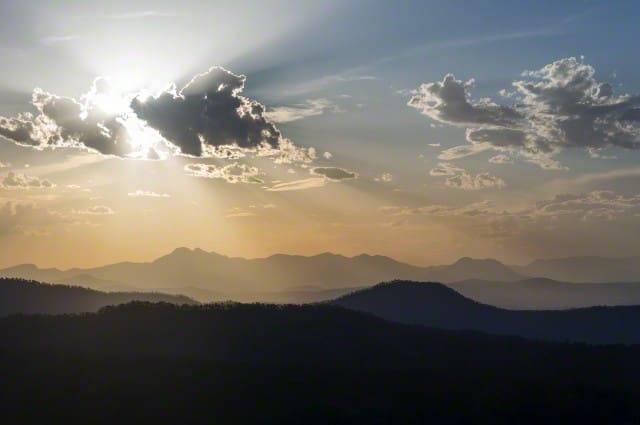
436,305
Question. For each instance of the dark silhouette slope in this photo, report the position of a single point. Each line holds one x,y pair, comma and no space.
247,364
29,297
433,304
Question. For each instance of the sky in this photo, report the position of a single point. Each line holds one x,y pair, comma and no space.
421,130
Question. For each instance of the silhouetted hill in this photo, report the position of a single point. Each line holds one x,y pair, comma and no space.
547,294
245,364
585,269
29,297
243,279
470,268
433,304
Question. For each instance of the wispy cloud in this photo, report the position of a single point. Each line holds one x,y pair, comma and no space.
298,184
309,108
142,14
318,84
482,39
57,39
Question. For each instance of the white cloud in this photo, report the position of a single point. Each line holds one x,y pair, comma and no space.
384,177
147,194
231,173
459,178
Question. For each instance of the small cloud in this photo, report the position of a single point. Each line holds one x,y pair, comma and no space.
385,177
4,164
501,159
434,145
327,155
148,194
462,151
22,181
96,210
334,173
232,173
459,178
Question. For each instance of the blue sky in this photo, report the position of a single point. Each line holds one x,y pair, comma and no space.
336,77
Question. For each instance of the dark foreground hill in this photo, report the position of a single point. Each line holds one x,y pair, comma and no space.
28,297
242,364
433,304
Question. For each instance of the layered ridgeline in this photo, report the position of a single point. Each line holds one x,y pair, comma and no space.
436,305
235,364
547,294
207,276
430,304
29,297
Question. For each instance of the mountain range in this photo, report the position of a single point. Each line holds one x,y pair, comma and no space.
208,276
429,304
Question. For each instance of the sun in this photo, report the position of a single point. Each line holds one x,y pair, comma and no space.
111,99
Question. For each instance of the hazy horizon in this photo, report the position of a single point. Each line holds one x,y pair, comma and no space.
291,254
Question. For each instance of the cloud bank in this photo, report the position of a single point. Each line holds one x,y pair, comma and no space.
208,117
559,106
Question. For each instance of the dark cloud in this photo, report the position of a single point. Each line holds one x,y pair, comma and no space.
559,106
208,112
334,173
208,117
67,122
448,101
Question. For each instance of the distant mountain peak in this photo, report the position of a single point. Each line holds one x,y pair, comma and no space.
25,267
468,261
